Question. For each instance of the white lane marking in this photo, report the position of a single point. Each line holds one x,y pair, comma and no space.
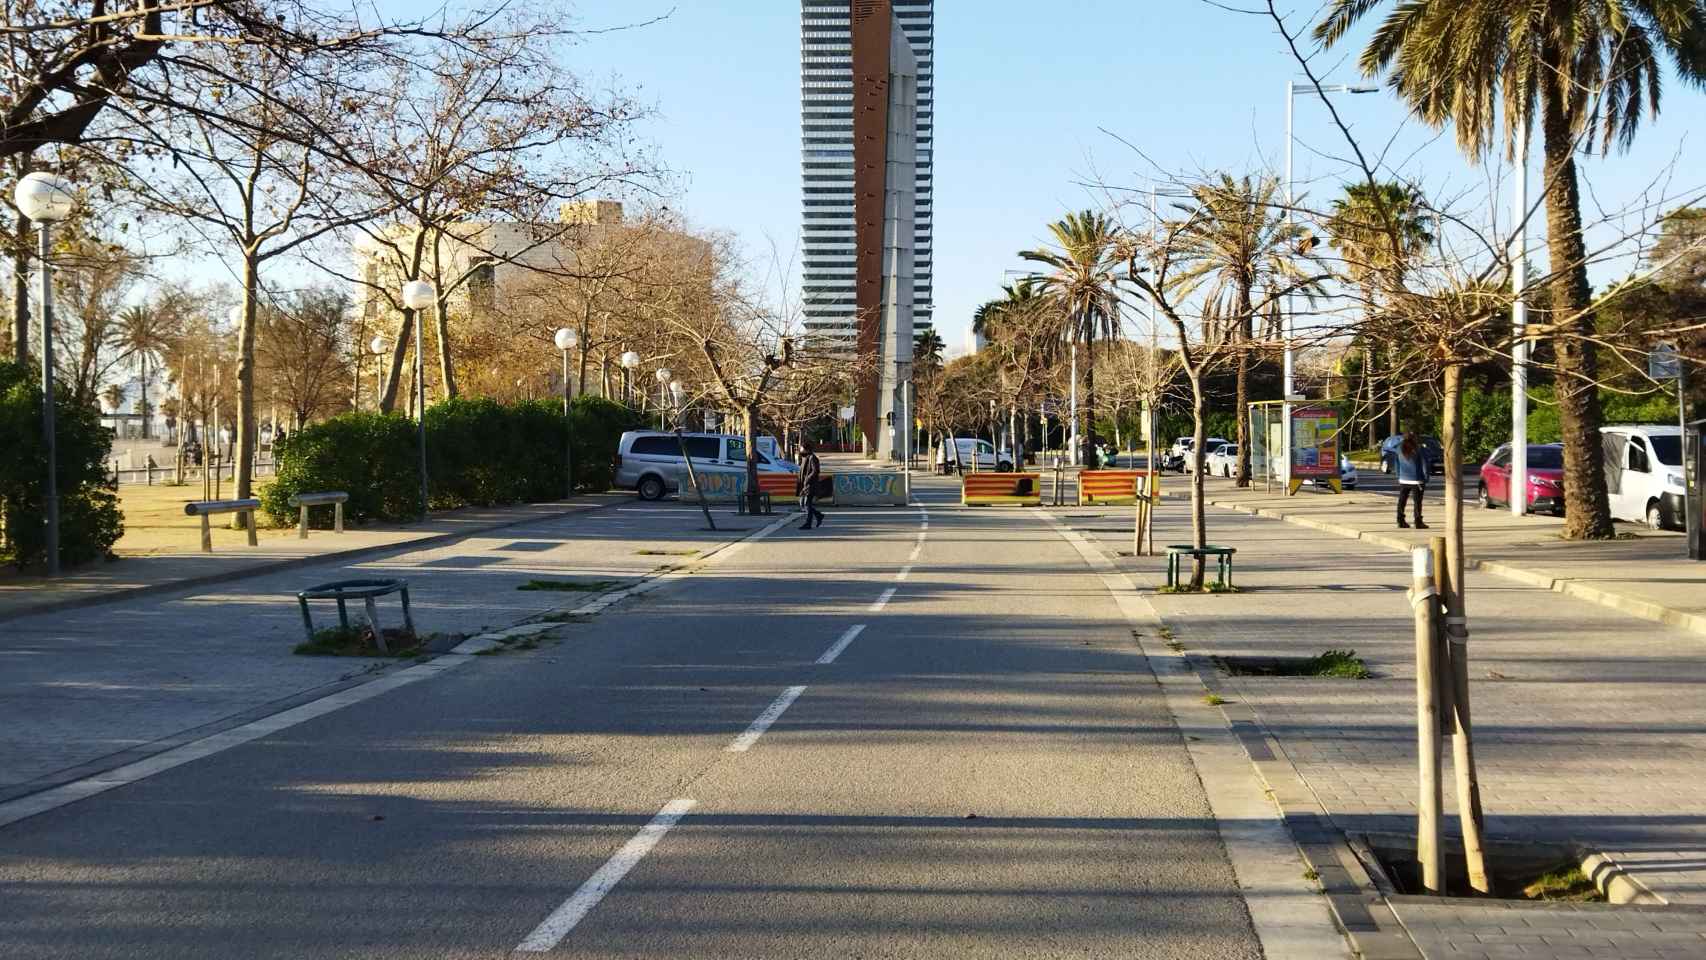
744,742
915,552
904,571
841,644
883,600
555,927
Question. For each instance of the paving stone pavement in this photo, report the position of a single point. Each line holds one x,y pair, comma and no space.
1590,725
81,685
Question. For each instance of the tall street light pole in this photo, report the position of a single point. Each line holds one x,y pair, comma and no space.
629,361
566,341
377,346
47,199
663,376
419,296
1290,388
1518,493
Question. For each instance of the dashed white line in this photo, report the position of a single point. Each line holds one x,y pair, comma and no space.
841,644
915,552
744,742
883,600
555,927
904,572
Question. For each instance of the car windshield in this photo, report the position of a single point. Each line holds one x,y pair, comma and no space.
1545,458
1668,450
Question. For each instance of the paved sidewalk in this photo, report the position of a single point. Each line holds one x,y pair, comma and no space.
1647,575
84,689
1589,724
157,566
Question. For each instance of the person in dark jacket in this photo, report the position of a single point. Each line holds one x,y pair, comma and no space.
811,471
1412,477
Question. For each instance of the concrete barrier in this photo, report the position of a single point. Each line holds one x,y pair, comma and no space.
718,485
873,489
993,489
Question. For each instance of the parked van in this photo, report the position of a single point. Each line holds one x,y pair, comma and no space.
649,462
967,451
772,448
1643,474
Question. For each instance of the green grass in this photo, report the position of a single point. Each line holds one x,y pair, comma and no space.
1214,699
1568,884
568,586
1337,663
358,642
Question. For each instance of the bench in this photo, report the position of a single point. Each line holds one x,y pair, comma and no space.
302,501
367,591
1111,486
994,489
1175,551
208,508
763,504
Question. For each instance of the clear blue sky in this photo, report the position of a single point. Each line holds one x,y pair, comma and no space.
1024,92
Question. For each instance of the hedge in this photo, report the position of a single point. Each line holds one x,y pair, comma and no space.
89,518
479,453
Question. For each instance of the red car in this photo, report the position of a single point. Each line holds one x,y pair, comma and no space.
1545,478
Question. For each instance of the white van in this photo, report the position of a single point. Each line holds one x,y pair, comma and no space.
1643,474
967,451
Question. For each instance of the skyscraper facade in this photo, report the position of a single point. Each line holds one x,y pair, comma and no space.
827,94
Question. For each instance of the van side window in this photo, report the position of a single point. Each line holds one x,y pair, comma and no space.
737,449
1638,460
702,448
656,447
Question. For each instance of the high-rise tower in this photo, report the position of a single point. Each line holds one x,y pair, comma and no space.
866,72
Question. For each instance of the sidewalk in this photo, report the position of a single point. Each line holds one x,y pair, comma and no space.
1589,726
1647,575
160,553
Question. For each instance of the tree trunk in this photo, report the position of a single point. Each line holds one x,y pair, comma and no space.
1087,439
1587,512
1199,521
21,291
143,393
1368,388
399,349
244,473
446,378
749,426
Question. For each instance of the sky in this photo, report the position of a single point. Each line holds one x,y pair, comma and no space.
1033,102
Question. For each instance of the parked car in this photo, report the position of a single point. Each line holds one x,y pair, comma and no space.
1545,478
1223,460
649,462
1347,475
1209,445
772,448
1643,474
1432,453
971,453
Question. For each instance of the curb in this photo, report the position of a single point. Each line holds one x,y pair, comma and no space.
155,589
1633,606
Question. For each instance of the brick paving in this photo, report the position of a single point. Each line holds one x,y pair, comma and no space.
1590,724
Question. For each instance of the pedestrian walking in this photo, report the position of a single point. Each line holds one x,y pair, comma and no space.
811,471
1412,478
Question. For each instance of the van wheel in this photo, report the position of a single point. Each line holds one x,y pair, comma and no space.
1004,467
651,487
1482,498
1655,516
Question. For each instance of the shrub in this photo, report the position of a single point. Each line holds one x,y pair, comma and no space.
372,457
479,453
89,518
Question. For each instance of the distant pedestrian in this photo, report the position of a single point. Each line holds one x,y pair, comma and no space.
1412,477
811,471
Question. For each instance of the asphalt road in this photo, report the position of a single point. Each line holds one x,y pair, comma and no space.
985,768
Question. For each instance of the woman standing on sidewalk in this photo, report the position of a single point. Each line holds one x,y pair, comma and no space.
1412,477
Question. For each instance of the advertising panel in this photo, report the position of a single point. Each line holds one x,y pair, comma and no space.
1314,443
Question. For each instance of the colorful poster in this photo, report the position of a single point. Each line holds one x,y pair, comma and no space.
1314,443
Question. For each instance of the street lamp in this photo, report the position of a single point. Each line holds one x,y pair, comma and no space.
47,199
567,340
664,376
1290,386
419,295
629,361
677,390
377,346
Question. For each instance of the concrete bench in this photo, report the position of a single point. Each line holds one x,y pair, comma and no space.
992,489
208,508
1111,486
302,501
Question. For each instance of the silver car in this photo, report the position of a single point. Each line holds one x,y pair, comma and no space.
649,461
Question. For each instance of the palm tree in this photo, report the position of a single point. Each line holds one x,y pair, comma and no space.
144,335
927,348
1084,271
1237,242
1364,222
114,396
1591,64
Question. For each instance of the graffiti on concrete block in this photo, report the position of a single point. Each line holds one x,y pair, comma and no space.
854,488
